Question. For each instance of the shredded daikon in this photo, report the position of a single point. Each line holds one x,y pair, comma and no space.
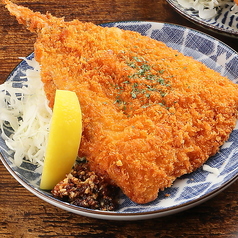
206,8
25,116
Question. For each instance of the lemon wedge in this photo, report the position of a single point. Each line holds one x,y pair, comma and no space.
64,139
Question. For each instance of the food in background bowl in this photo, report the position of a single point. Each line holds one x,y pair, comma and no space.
207,9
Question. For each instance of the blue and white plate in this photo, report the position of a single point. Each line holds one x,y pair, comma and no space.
189,190
225,22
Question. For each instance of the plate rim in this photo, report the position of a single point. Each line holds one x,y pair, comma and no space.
113,215
125,215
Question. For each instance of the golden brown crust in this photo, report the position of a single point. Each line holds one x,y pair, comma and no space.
150,113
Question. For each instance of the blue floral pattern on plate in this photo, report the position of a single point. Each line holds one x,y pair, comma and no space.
225,22
189,190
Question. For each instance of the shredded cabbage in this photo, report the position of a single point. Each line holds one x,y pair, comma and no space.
25,116
206,8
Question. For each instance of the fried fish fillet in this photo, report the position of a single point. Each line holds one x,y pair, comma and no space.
150,114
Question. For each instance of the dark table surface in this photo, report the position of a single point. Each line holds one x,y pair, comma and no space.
24,215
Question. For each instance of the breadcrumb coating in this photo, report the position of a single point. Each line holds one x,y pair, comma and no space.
150,114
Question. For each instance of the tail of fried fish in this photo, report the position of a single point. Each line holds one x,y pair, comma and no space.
34,21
